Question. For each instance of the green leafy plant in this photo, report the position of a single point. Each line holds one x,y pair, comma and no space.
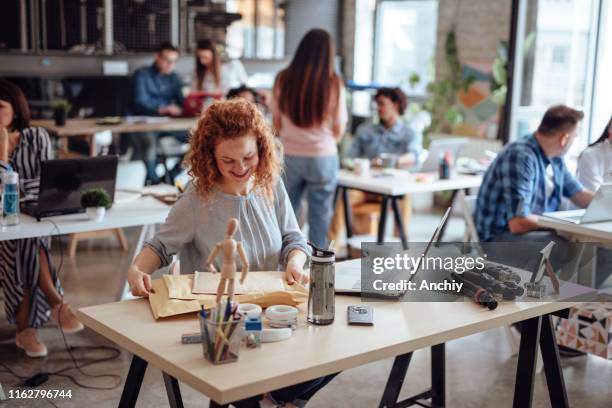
499,74
499,68
441,100
61,105
95,197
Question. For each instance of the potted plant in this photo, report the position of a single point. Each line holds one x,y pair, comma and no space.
60,107
95,201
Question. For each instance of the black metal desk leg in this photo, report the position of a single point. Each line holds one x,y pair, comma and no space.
382,221
395,381
173,390
348,216
213,404
399,222
525,371
131,388
438,375
552,366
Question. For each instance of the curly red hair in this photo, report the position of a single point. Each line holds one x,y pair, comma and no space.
228,120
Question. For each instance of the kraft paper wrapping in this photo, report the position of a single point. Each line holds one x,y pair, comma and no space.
163,306
264,282
173,294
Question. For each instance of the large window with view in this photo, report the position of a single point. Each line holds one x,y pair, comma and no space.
405,42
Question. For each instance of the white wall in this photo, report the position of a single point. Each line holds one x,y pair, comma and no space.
302,15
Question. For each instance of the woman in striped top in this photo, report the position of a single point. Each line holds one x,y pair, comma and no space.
31,288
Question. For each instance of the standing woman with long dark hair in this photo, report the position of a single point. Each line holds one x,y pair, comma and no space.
309,112
31,287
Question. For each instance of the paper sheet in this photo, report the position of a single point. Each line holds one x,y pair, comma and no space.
207,283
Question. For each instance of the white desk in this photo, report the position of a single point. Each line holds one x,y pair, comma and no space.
597,232
591,236
391,187
400,182
313,351
142,211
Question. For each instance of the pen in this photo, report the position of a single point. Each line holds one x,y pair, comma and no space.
228,310
228,323
206,333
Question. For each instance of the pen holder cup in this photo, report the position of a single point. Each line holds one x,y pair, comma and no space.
221,341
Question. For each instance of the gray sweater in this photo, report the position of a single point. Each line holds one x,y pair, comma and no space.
268,232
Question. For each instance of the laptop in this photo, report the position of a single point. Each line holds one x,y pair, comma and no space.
599,210
437,149
349,280
63,181
195,101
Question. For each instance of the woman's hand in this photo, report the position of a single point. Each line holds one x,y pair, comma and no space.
295,268
139,278
294,274
140,282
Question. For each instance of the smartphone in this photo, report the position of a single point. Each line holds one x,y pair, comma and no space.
360,315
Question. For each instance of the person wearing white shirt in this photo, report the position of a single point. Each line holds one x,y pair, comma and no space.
595,169
595,163
213,75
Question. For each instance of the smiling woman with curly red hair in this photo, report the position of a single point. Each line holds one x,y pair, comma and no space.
236,174
231,121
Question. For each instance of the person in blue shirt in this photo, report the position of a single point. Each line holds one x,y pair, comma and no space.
527,179
157,92
389,135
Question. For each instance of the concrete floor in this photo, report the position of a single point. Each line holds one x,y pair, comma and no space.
480,368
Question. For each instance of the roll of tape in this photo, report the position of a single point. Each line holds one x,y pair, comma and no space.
280,316
272,335
249,309
281,312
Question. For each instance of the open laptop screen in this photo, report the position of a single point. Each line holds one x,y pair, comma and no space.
63,181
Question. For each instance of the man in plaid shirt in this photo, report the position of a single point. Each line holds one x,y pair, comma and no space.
528,178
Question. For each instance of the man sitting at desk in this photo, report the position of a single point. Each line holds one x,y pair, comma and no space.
157,92
529,178
390,135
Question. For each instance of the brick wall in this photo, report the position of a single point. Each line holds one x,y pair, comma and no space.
479,26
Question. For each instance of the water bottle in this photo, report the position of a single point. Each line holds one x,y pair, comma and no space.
445,167
321,299
10,197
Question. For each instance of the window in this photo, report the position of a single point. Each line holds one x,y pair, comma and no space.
558,55
261,31
405,42
557,45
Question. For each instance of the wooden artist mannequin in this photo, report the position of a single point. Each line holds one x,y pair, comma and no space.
229,247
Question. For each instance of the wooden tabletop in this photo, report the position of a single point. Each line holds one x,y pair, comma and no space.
400,182
590,232
141,211
89,126
312,351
